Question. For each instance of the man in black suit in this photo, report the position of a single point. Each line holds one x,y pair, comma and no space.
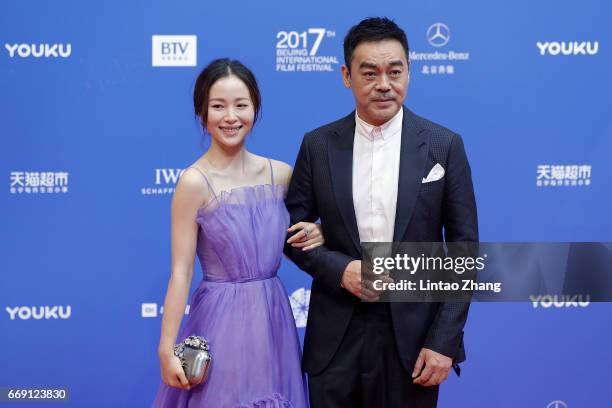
380,174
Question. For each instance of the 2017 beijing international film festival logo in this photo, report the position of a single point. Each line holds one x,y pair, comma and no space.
301,51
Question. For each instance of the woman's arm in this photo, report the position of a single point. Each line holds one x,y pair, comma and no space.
191,192
309,235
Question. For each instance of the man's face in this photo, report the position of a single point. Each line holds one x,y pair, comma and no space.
378,78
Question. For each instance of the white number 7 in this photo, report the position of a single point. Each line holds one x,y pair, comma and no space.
320,32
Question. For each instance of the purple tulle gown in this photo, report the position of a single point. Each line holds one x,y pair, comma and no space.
241,306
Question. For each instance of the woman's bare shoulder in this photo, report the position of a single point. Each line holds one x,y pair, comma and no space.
192,188
282,172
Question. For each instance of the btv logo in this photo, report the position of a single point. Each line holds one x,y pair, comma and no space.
174,50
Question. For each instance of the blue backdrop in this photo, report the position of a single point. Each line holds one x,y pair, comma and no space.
97,123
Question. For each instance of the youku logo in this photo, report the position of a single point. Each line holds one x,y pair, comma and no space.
300,301
39,312
39,50
165,180
568,48
560,301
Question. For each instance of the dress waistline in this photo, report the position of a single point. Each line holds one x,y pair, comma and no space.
245,280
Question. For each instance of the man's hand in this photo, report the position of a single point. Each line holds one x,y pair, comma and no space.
352,281
436,368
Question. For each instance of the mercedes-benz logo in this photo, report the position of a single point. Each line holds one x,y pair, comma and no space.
438,34
557,404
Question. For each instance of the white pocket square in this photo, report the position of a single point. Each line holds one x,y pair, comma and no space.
436,173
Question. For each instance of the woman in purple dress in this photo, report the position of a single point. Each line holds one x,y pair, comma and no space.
228,208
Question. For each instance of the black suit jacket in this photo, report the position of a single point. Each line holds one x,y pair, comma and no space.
321,188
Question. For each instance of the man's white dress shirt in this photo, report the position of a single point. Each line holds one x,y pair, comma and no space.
376,160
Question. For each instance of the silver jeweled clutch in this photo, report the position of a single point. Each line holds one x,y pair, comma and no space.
194,353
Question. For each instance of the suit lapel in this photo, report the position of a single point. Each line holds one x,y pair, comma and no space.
413,157
340,152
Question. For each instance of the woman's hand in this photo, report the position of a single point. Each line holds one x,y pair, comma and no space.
307,237
172,372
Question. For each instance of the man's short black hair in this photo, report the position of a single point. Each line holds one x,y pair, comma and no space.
372,29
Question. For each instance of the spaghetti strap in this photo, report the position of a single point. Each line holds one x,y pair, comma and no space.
210,187
271,172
